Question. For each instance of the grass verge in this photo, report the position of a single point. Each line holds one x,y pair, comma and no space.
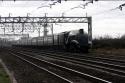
4,78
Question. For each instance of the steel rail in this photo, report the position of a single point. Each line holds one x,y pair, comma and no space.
81,63
91,65
115,60
91,61
120,68
96,79
101,58
66,80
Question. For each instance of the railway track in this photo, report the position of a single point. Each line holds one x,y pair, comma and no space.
32,63
27,58
116,70
84,56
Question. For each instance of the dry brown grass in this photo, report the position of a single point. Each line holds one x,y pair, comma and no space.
109,51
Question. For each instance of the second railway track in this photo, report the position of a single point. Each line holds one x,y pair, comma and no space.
113,72
81,75
117,73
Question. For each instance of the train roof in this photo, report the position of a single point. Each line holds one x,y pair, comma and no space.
73,31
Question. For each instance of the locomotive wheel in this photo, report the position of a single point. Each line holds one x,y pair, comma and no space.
73,47
84,50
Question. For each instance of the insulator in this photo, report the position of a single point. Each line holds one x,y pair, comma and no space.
59,1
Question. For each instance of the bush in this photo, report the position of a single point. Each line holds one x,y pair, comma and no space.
109,42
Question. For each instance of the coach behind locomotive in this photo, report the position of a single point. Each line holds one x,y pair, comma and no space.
75,40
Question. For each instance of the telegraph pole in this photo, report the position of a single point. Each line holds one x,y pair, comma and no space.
39,31
45,26
52,33
90,31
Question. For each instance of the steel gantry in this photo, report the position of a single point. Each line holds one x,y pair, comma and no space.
50,0
36,21
44,19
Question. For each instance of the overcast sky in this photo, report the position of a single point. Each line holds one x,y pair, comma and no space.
105,20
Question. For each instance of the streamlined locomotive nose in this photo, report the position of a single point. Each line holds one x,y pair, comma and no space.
78,40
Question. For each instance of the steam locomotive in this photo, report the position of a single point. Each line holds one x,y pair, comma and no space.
75,40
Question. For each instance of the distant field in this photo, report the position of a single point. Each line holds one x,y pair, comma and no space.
109,51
